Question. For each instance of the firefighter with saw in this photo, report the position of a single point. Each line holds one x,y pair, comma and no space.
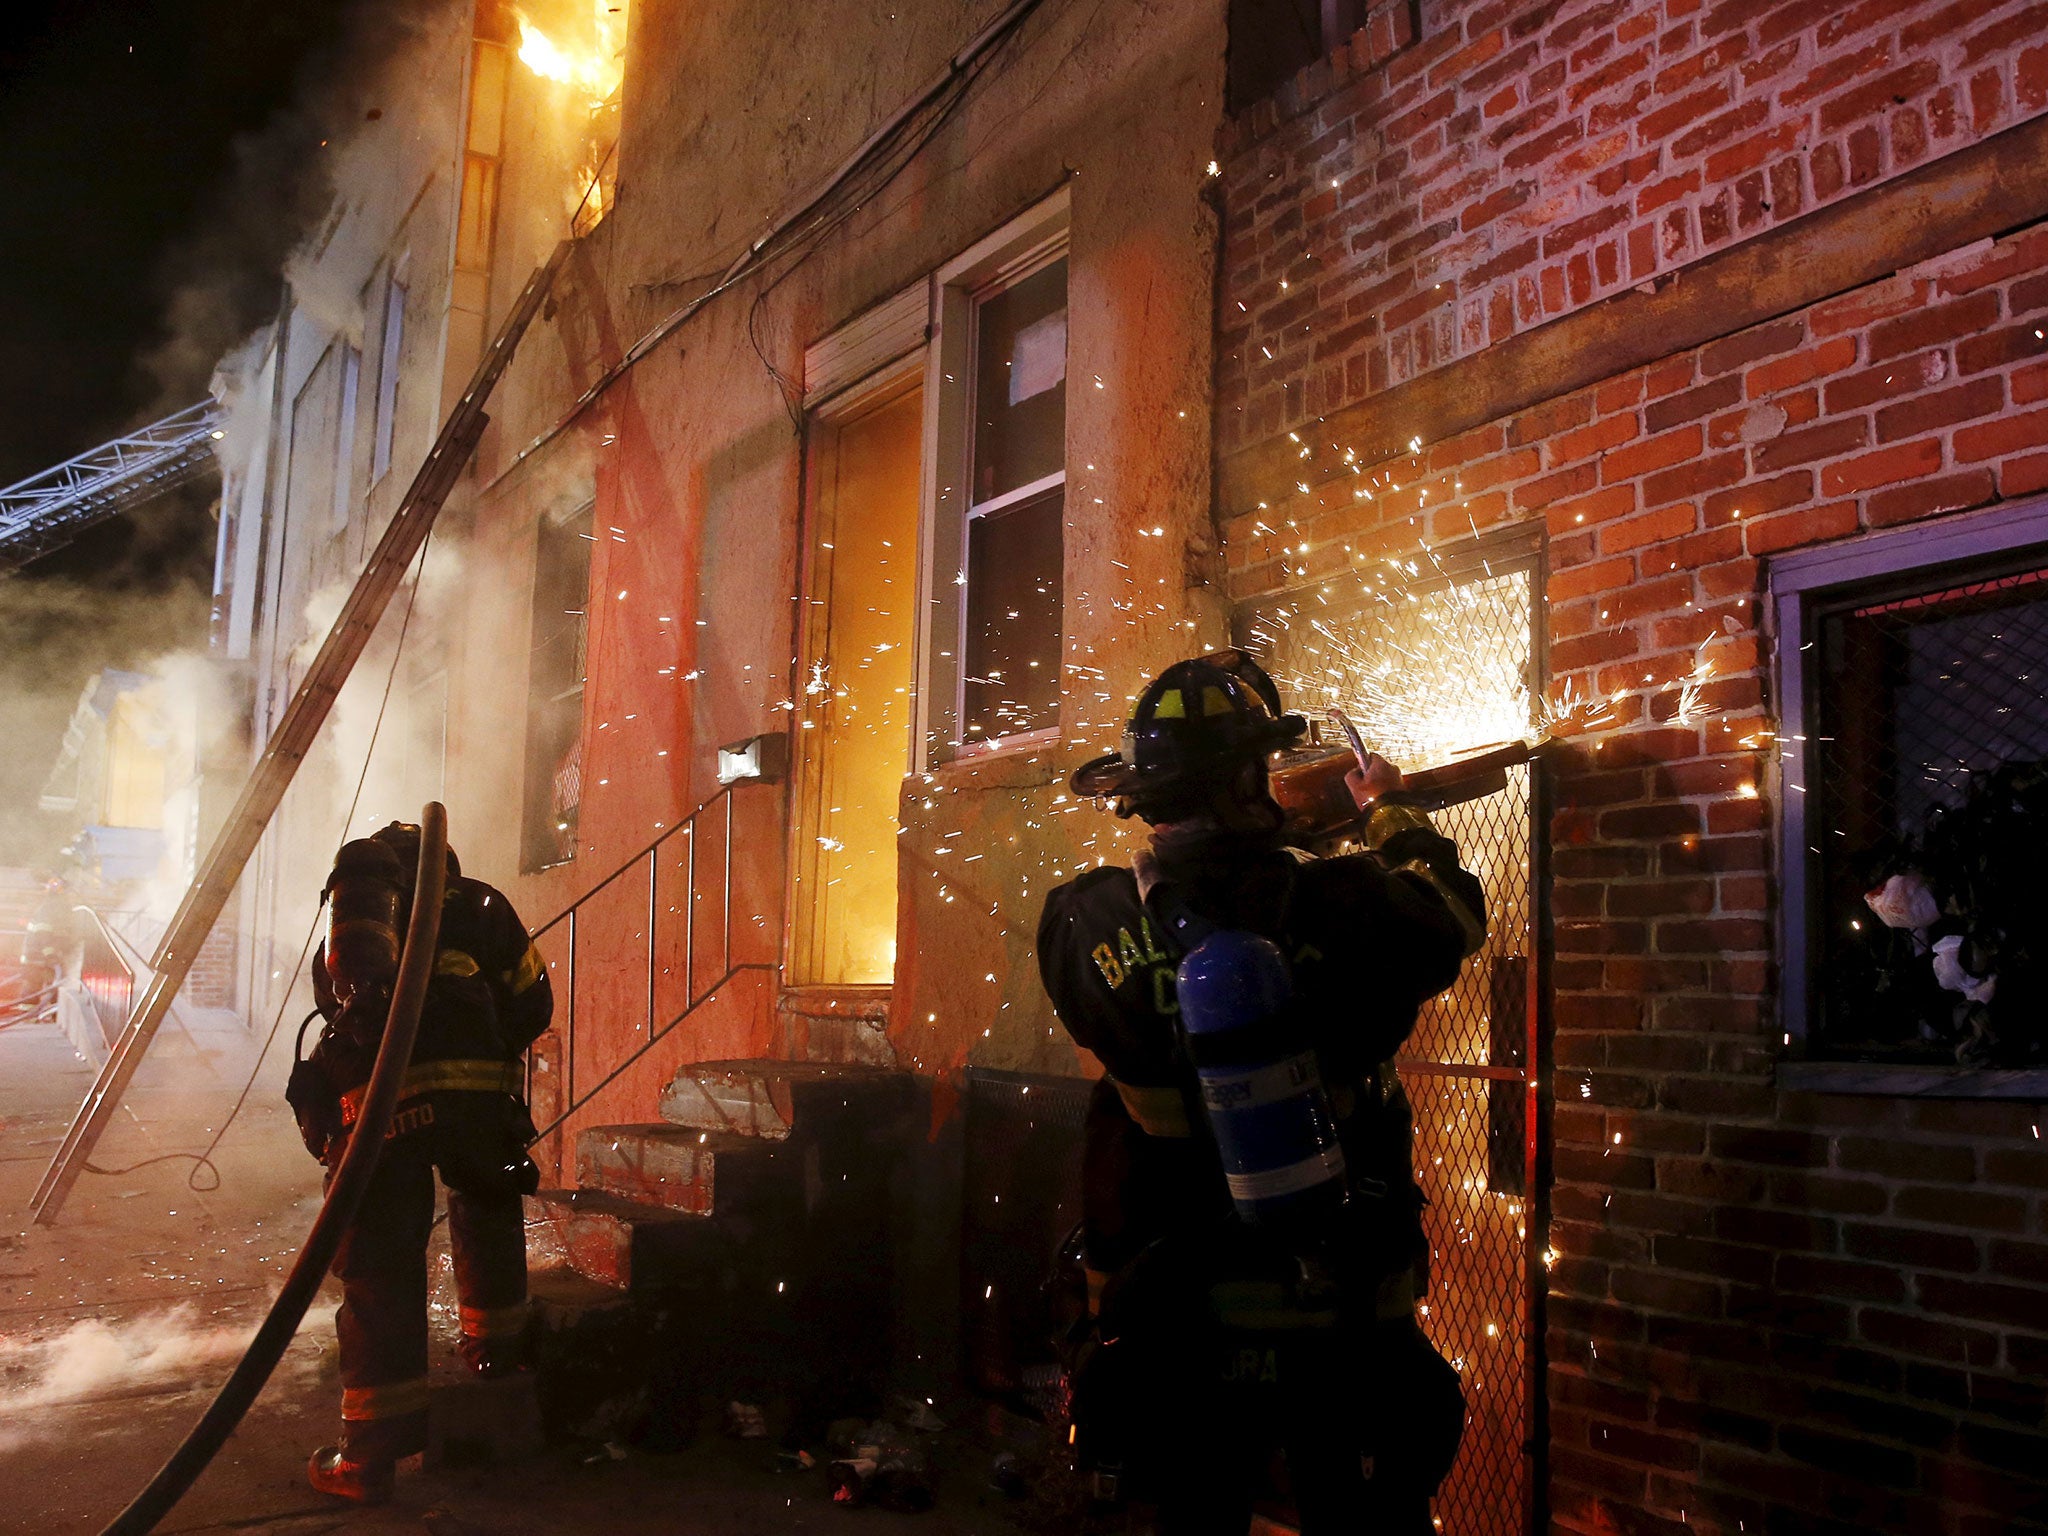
460,1113
1251,1224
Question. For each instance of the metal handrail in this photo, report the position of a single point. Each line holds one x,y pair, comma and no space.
113,950
719,806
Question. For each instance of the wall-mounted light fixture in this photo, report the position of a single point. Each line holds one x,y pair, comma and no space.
758,757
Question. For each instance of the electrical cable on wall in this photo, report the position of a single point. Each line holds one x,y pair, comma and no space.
961,70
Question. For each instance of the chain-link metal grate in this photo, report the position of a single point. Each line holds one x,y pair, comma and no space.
1434,661
1915,699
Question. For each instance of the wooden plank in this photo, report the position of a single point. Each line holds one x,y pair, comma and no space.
1997,185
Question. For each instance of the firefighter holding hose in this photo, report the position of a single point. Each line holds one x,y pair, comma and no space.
1251,1229
461,1113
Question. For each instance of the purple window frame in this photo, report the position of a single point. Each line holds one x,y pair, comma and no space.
1798,584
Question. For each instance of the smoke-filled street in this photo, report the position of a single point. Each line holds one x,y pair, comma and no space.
116,1328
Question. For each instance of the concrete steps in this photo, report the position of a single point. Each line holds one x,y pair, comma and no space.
624,1244
744,1246
769,1099
752,1164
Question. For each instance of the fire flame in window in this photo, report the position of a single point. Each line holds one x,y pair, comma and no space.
592,58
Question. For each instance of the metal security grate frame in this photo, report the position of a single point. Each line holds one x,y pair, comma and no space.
1436,656
1917,690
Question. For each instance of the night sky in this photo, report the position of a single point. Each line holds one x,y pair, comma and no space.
156,162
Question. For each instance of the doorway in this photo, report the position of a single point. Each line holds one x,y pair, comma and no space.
855,687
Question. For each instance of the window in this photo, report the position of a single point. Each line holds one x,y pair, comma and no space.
390,357
998,519
310,491
345,438
1914,670
556,672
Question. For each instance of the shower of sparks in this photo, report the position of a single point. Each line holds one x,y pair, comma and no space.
1425,676
1692,687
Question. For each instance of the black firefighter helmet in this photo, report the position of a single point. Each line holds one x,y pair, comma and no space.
1194,726
403,839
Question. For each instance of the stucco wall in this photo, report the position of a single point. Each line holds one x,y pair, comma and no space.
696,458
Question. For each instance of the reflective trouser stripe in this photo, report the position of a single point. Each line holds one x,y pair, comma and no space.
494,1322
1158,1111
473,1076
392,1400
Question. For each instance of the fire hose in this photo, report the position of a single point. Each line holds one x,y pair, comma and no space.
344,1195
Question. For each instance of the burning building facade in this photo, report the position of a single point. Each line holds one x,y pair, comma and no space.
1509,368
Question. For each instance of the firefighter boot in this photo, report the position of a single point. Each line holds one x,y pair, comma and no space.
333,1471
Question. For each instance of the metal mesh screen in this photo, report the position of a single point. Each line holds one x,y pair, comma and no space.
1433,661
1917,701
1467,1076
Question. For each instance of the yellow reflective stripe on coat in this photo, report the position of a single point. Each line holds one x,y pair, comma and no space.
494,1322
455,962
392,1400
1469,926
529,970
456,1076
1158,1111
1386,821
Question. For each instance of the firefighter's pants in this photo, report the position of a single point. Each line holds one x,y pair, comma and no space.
382,1266
1368,1417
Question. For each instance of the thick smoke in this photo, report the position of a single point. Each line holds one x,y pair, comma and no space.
141,595
226,278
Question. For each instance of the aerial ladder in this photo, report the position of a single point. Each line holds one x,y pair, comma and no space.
48,510
289,743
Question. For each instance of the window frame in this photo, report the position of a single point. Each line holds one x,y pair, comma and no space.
1027,244
1801,585
549,525
390,359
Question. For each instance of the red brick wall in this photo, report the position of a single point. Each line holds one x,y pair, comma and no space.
211,982
1521,158
1769,1311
